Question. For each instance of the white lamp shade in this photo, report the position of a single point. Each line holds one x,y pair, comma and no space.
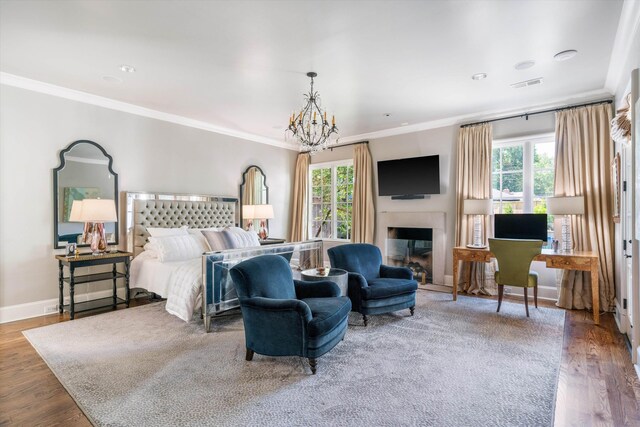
477,207
263,211
76,209
565,205
98,210
248,211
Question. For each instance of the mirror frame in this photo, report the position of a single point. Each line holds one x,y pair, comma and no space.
56,171
244,181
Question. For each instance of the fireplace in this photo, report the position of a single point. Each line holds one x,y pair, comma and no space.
392,251
413,248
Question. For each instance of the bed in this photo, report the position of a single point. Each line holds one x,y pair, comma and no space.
197,278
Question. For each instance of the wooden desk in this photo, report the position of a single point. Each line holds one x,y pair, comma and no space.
578,260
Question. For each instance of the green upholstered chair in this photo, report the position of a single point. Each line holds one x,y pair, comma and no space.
514,260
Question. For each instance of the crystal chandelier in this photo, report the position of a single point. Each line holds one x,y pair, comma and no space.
310,125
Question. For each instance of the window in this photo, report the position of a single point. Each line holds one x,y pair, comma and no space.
522,175
330,205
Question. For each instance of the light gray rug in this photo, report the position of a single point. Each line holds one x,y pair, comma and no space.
452,364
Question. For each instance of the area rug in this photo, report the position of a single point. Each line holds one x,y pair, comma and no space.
452,364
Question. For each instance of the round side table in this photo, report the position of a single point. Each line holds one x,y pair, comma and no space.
335,275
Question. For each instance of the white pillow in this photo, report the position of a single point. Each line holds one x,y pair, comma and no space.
160,232
175,248
243,238
197,233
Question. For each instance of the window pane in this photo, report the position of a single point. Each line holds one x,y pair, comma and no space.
543,183
316,177
512,158
343,230
341,193
495,159
342,212
326,194
512,185
316,211
342,175
495,185
543,155
326,176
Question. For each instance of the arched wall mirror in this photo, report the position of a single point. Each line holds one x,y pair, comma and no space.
85,172
253,190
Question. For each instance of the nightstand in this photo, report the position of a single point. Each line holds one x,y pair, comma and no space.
89,260
271,241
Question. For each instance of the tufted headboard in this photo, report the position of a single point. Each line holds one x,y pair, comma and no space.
175,210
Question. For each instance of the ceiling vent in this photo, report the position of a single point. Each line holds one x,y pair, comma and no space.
532,82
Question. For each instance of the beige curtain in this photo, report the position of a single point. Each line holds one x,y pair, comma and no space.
299,199
363,220
473,181
584,152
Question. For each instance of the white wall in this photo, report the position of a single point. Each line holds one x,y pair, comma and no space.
148,154
440,141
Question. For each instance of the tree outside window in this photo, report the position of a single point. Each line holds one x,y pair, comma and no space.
331,200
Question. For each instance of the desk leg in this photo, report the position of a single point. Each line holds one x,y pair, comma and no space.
72,284
595,291
60,288
455,276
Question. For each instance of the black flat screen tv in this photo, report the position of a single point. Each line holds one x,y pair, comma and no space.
521,226
411,176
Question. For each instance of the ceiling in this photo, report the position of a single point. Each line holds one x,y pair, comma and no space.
241,65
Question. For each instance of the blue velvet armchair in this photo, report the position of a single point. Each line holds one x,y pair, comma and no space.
374,288
286,317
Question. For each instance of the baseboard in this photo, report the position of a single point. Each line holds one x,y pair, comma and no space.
29,310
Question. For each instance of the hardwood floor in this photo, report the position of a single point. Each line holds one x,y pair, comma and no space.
597,385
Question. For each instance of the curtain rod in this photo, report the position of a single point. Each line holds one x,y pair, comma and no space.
331,147
526,115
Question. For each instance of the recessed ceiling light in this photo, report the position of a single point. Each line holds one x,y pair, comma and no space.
111,79
524,65
127,68
479,76
565,54
387,114
404,124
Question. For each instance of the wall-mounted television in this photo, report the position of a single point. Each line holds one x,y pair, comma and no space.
521,226
414,176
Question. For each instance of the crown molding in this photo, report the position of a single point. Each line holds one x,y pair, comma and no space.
480,116
628,27
112,104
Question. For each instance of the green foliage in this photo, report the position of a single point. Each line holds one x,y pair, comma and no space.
507,208
321,208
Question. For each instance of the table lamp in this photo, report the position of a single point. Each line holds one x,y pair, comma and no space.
74,216
97,212
479,208
248,213
566,206
263,213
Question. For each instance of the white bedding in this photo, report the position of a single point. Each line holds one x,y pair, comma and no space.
179,282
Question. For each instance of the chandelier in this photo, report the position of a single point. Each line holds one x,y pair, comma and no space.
310,125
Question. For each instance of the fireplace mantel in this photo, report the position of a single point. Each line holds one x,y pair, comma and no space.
433,220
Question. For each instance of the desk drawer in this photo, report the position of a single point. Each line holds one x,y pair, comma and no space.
569,262
474,255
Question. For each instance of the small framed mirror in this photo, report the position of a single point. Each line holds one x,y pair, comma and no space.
85,172
253,190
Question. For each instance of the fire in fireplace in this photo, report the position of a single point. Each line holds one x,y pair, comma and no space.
411,247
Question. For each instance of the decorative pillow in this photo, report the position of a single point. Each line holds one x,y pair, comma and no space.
244,238
160,232
220,240
175,248
197,233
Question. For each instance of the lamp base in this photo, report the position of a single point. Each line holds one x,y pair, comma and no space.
477,246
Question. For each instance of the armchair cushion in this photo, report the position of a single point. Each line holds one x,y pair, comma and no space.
357,258
319,289
387,287
327,313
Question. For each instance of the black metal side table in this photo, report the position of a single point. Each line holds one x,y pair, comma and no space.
89,260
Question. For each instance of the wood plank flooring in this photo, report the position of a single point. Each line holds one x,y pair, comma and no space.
597,385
